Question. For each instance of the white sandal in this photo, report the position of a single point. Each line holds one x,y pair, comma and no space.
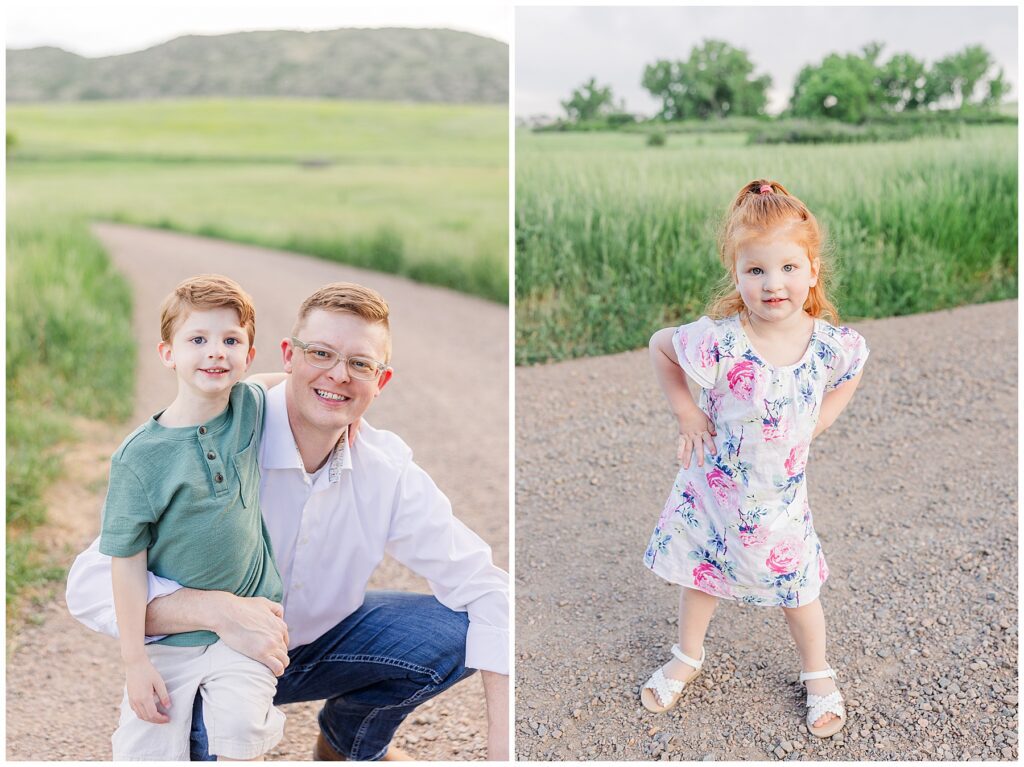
665,691
819,705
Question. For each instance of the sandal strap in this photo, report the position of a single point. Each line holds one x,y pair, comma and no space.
819,705
687,659
664,688
805,675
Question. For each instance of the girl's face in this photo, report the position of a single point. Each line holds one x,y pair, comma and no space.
774,276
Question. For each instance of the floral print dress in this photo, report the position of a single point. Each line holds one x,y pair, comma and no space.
739,527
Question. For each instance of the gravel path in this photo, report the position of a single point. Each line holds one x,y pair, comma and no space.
60,673
914,491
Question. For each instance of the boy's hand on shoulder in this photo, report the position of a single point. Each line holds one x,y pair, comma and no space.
696,434
147,694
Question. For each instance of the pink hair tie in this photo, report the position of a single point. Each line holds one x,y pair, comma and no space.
765,189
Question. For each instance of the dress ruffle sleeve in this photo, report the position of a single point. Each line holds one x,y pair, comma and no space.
850,353
697,350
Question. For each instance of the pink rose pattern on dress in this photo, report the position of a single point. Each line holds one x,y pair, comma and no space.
707,351
724,489
756,536
785,556
796,461
731,528
742,378
709,578
775,432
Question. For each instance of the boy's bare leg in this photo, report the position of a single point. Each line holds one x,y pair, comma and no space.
807,625
695,611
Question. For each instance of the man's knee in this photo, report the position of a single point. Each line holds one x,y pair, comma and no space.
440,633
451,642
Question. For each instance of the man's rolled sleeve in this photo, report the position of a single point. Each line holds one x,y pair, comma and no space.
487,647
427,538
90,591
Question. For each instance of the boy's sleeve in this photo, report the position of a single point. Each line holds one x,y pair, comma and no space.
128,518
697,351
851,352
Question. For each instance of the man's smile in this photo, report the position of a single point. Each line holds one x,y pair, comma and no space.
330,396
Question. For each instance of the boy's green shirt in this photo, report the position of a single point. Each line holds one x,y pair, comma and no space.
191,496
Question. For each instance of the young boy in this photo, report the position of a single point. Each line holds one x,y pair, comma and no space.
183,502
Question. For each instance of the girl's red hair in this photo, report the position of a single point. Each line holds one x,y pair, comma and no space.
755,214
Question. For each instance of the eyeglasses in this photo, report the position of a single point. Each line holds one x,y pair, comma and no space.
363,368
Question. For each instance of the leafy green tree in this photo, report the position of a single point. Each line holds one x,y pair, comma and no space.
997,88
717,80
588,101
846,88
904,80
967,78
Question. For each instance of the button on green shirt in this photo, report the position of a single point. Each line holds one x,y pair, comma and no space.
191,496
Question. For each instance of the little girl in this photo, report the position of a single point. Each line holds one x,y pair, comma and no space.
773,375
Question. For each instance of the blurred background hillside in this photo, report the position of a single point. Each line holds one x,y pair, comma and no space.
418,65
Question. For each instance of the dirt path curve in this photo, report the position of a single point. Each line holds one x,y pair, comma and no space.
914,491
448,401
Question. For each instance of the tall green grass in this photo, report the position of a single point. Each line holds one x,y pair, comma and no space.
70,351
418,190
615,239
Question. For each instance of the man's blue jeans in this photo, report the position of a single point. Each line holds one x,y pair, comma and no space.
372,669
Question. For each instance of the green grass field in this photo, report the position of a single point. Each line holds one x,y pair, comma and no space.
615,239
419,190
70,352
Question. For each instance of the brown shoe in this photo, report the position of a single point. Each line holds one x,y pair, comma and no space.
323,752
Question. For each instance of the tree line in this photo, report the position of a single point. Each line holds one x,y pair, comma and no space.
718,80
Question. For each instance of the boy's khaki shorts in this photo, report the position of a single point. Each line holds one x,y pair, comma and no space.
238,706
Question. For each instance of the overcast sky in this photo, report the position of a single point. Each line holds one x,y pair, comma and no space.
106,27
557,49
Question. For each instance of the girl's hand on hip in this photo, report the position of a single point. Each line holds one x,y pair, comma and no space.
696,434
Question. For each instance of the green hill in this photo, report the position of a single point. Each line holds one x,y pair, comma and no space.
423,65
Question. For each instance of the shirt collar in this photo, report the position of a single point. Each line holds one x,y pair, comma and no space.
279,448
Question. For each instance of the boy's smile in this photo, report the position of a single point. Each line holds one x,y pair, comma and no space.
209,352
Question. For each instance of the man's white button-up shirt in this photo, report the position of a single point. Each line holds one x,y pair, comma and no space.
331,532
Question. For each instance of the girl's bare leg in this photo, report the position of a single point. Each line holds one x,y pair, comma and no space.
229,759
807,625
695,611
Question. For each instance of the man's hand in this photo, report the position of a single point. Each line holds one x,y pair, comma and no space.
145,688
255,627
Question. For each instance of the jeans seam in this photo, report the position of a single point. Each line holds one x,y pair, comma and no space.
382,659
361,733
